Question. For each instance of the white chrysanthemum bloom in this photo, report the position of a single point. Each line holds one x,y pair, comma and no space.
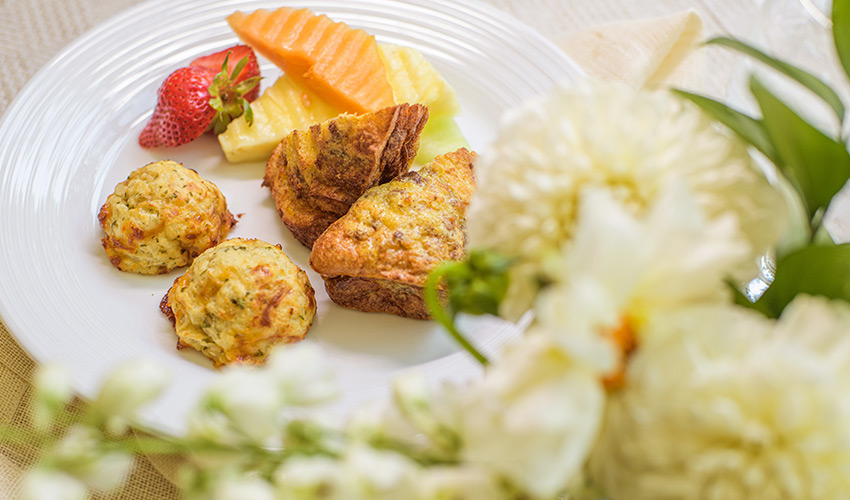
605,135
670,257
726,404
533,417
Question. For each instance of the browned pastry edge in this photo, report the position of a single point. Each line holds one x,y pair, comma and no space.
302,212
377,295
403,143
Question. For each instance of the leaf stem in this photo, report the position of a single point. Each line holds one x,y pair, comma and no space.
447,317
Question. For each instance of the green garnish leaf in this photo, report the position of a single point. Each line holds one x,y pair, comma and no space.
801,76
749,129
815,164
814,270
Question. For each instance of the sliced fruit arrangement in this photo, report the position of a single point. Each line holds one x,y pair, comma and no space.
283,107
339,63
206,95
289,105
414,79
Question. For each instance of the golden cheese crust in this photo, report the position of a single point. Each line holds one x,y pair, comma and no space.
314,175
377,257
160,218
238,300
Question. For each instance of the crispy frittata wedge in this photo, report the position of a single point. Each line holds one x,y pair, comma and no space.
316,174
377,257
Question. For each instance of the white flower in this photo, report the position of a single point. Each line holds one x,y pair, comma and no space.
622,269
302,374
460,482
242,404
723,403
630,143
533,417
52,392
45,484
310,477
127,389
243,488
378,474
79,453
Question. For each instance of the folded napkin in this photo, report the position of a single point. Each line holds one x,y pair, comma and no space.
651,52
643,53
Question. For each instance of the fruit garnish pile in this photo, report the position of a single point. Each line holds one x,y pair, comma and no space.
328,69
206,95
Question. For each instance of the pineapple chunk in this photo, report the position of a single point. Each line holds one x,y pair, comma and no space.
414,80
283,107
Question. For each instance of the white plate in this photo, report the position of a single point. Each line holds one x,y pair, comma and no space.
71,136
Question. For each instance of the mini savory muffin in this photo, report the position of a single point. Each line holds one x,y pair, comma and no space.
377,257
314,175
238,300
160,218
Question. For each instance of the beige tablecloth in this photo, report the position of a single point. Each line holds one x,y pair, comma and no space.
638,41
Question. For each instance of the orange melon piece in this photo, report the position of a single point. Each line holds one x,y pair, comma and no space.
341,64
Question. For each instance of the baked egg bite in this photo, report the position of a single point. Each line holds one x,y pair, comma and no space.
238,300
161,217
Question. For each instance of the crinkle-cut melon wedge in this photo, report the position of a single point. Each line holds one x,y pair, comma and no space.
282,108
415,80
440,136
339,63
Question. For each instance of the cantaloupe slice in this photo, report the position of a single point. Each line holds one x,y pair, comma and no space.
282,108
339,63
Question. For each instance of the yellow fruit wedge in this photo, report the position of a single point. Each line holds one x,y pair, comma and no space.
282,108
414,80
440,135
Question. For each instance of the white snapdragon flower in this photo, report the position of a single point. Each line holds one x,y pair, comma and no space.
372,474
302,373
243,404
310,478
533,417
48,484
634,144
126,390
52,392
464,481
79,453
243,488
725,404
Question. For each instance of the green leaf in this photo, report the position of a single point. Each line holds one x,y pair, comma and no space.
801,76
813,270
841,31
749,129
816,165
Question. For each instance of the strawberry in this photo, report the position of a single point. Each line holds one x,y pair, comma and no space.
235,54
202,97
